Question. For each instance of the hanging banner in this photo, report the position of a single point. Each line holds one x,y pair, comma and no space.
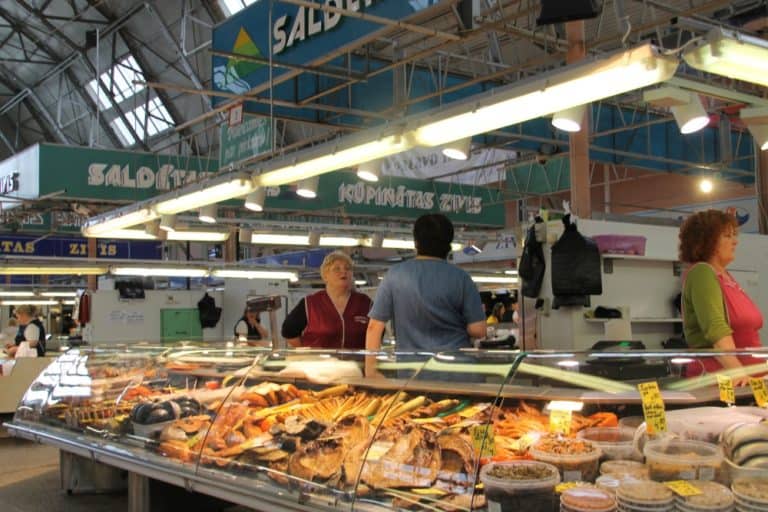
483,166
18,178
246,140
396,198
294,35
60,247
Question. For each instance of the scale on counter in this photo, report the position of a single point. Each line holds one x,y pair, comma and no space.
623,368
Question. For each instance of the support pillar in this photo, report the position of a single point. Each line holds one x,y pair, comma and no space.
581,202
138,493
93,281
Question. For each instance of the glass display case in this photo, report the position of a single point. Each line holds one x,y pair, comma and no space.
496,430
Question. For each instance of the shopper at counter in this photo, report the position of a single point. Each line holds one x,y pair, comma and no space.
336,317
717,313
30,331
497,314
433,304
249,327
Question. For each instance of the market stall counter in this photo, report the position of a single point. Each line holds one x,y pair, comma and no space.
495,430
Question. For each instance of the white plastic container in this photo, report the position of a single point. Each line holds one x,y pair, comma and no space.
750,495
614,442
673,459
714,497
621,468
513,494
582,467
587,499
645,496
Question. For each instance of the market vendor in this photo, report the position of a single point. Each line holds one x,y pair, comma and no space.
30,335
434,305
717,313
249,327
336,317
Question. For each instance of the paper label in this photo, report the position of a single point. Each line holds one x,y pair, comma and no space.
706,473
653,407
683,488
428,491
483,440
560,421
725,385
378,449
471,411
760,390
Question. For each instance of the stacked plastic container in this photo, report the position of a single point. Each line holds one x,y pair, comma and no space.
644,496
587,499
750,495
714,497
520,485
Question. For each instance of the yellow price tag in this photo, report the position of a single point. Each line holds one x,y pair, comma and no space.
483,440
760,390
428,491
560,421
725,384
561,488
683,488
653,407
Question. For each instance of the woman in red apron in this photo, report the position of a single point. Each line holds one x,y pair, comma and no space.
717,313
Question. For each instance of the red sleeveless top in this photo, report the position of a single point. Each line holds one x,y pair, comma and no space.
326,328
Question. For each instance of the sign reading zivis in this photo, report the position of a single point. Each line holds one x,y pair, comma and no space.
9,183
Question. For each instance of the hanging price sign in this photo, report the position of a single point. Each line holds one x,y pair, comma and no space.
560,421
760,390
725,385
653,407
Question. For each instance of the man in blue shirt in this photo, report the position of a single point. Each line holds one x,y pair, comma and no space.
434,305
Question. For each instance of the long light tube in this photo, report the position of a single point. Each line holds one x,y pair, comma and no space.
277,239
42,270
256,274
731,54
176,236
205,195
58,294
495,279
543,95
159,271
30,302
339,241
119,221
17,294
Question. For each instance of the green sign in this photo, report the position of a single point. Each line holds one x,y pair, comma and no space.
250,138
395,198
85,173
59,222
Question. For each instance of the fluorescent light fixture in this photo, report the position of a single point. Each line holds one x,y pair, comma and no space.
67,303
17,294
458,149
118,219
256,274
570,119
511,272
339,241
168,222
370,171
277,239
42,270
30,302
176,236
728,53
393,243
760,134
152,228
255,200
58,294
545,94
376,240
706,185
244,235
568,363
681,360
565,405
756,119
685,106
360,282
313,238
322,159
159,271
307,188
205,193
208,213
495,279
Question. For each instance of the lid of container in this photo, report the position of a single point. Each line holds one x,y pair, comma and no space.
623,467
713,496
645,492
751,490
520,475
607,436
696,452
588,499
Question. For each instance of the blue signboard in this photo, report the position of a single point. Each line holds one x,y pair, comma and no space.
294,35
77,247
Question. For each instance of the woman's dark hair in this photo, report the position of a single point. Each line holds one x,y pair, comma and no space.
497,310
432,235
700,232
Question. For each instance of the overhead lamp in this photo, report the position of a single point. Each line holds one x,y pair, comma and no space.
756,119
544,94
159,271
244,235
278,239
360,282
370,171
119,219
42,270
152,227
208,213
706,185
565,405
255,200
495,279
17,294
393,243
58,294
313,239
255,274
181,235
205,193
570,119
729,53
308,187
339,241
511,272
458,149
168,222
67,303
685,106
30,302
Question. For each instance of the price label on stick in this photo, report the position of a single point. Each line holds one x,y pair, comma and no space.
760,390
725,384
483,440
560,421
653,407
683,488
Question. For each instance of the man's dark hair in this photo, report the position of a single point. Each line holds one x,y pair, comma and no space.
432,235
